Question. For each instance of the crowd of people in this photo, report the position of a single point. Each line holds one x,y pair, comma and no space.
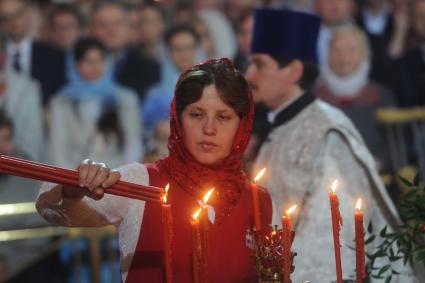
105,70
95,79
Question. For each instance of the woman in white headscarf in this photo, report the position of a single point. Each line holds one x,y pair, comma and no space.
344,83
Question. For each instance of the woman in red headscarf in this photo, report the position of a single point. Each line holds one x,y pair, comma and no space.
211,119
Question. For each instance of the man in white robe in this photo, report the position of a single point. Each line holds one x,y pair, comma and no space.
310,144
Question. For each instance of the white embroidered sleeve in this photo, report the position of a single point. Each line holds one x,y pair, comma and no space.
87,212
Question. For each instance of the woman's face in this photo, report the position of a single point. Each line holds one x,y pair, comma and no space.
346,53
209,127
92,65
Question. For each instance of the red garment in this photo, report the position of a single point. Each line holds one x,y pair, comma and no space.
366,96
229,259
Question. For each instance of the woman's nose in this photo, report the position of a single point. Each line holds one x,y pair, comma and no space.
209,127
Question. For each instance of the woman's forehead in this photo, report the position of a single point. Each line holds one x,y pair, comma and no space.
211,100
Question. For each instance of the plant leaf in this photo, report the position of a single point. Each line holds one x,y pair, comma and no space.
384,269
370,227
383,232
405,181
370,239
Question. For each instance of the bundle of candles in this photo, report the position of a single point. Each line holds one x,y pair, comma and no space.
273,255
274,258
39,171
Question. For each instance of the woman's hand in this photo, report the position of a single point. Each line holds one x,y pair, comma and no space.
94,178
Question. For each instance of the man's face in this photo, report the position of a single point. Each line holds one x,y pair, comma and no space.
65,30
268,81
14,19
183,50
111,26
152,26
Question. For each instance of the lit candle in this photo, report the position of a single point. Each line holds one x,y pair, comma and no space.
360,249
336,227
204,236
196,247
167,222
256,200
287,243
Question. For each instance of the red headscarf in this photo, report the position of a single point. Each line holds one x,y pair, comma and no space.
227,177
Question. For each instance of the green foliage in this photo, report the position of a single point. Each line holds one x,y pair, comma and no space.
407,243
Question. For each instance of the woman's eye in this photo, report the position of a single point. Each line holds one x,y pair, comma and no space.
224,117
195,115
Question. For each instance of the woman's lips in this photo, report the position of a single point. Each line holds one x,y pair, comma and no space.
207,146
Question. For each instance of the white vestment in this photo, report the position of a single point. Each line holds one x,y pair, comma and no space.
304,155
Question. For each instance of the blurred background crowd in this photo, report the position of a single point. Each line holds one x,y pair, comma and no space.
94,79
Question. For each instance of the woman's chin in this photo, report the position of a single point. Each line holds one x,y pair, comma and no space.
208,159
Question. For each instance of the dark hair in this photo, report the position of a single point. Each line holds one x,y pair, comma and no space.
84,44
110,123
6,121
180,28
310,72
230,83
66,8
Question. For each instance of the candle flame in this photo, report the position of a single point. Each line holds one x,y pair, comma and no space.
273,232
164,197
359,204
334,185
207,196
260,175
290,210
196,214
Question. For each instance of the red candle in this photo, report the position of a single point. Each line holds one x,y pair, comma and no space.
196,247
287,243
167,222
360,249
336,227
256,200
205,236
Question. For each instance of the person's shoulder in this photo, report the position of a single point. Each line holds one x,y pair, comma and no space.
137,57
385,96
22,86
134,173
59,99
413,54
20,80
43,47
331,119
126,92
328,114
